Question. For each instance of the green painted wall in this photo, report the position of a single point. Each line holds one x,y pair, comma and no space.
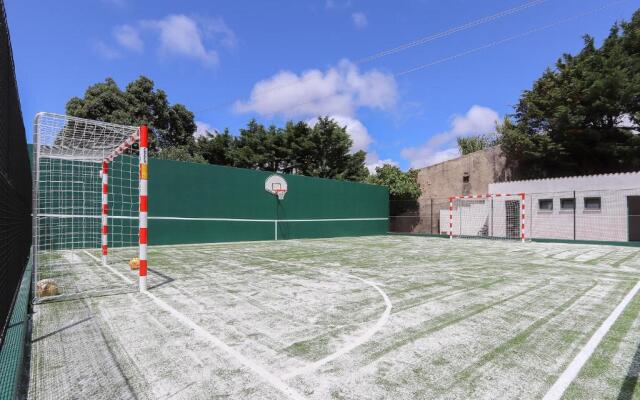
187,190
178,189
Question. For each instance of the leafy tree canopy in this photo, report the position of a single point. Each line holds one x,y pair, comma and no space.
181,153
140,103
322,150
470,144
582,117
402,185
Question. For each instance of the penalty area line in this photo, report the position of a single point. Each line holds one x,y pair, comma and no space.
267,376
571,372
350,345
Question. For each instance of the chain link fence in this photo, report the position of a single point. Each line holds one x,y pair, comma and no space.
15,182
587,215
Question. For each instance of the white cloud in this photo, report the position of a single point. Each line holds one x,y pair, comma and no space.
359,20
105,51
339,90
441,147
203,128
357,131
219,30
181,35
128,37
373,161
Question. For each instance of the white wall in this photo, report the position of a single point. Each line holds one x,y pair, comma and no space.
610,223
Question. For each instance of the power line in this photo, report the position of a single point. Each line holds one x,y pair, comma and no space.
486,46
452,57
449,32
414,43
507,39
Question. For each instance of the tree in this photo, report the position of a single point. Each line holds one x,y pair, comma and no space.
583,116
216,148
251,147
325,152
322,150
140,103
181,153
471,144
402,185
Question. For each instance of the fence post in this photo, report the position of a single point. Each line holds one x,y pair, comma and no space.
575,205
431,217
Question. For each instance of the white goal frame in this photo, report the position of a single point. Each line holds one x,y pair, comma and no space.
97,144
455,204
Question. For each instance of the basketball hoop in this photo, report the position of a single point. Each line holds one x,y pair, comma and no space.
280,193
275,184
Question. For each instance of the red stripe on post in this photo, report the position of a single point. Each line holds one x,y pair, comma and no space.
144,136
105,167
104,249
143,235
105,189
105,209
143,267
144,204
105,229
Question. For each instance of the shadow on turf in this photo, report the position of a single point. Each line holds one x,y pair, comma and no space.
631,379
61,329
167,279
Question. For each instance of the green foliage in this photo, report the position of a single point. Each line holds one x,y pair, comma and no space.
140,103
216,148
571,120
180,153
402,185
471,144
322,150
326,153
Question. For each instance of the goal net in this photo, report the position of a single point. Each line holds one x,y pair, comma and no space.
492,216
90,204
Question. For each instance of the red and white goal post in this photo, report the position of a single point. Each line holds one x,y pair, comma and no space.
491,216
89,205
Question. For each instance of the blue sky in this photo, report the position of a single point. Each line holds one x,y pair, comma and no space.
229,61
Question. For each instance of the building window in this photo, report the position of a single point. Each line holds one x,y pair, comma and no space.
592,203
567,204
545,204
465,178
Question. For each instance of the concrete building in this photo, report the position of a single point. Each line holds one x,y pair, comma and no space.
596,207
469,174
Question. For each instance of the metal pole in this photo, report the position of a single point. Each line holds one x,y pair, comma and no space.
36,194
575,202
491,235
431,217
144,203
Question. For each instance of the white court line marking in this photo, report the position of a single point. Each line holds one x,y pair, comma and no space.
349,345
213,219
562,383
271,379
115,271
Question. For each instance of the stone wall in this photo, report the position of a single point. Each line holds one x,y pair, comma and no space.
466,175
